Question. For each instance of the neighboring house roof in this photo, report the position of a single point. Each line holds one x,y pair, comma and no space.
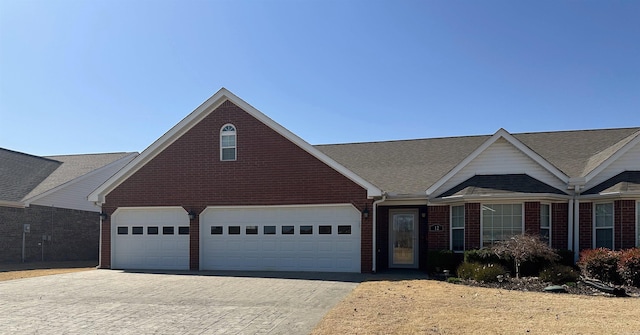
74,166
512,184
625,182
412,166
24,177
20,173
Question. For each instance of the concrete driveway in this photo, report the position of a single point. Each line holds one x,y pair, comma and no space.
116,302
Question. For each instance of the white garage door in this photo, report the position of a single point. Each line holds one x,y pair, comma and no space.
281,238
150,238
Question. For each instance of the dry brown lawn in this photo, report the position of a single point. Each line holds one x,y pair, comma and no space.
432,307
27,270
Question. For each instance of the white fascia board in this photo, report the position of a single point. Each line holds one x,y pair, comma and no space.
501,133
194,118
15,204
78,179
613,157
611,195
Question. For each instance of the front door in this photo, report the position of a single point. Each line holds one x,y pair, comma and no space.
403,239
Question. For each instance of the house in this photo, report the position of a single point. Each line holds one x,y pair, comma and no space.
44,211
227,188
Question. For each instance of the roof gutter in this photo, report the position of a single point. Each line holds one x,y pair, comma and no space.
15,204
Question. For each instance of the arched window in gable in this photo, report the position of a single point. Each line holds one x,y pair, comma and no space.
228,143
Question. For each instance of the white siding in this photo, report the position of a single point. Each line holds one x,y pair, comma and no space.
73,194
630,161
502,158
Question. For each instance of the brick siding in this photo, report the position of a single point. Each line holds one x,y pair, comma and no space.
269,170
624,223
586,225
472,226
559,220
438,240
74,234
532,218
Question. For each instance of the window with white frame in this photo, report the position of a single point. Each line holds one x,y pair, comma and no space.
545,223
501,222
228,143
603,226
457,228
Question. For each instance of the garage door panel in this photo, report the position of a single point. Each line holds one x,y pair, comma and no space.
151,247
271,249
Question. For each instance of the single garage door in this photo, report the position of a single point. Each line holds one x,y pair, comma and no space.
150,238
281,238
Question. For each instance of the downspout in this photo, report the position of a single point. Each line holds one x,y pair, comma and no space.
375,248
570,224
576,223
100,242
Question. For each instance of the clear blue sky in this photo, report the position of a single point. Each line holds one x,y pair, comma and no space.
106,76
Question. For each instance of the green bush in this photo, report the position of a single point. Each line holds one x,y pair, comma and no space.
601,264
559,274
439,260
629,266
453,280
489,273
481,256
480,272
466,270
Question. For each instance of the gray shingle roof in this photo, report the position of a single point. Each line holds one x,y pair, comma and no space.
628,181
412,166
500,184
20,173
23,176
74,166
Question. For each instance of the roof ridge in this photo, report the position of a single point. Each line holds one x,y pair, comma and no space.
576,130
30,155
477,135
403,140
95,154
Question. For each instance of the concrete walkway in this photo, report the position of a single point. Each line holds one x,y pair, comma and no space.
117,302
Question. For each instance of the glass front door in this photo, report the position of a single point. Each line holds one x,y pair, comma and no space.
403,239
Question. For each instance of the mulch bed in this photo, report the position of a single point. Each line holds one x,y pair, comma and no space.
534,284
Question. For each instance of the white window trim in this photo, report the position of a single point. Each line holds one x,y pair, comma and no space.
498,203
550,220
613,224
464,242
235,147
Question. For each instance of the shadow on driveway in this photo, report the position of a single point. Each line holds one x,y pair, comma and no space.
393,275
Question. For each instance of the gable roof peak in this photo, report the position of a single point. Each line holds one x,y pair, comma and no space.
197,115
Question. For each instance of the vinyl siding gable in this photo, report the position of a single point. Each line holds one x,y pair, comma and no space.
501,157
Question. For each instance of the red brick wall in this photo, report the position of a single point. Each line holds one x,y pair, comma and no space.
586,225
438,240
472,226
270,170
532,218
559,221
624,223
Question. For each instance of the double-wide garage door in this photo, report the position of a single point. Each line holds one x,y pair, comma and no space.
261,238
296,238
